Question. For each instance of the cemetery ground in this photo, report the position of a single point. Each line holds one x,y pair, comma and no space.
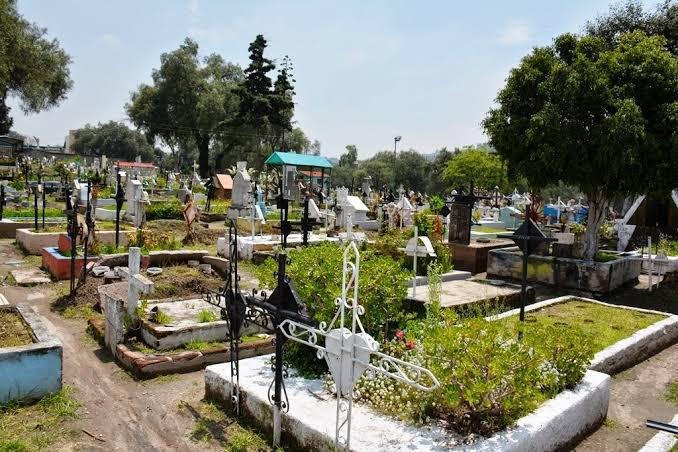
103,407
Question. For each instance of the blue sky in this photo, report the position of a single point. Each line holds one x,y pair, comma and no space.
366,70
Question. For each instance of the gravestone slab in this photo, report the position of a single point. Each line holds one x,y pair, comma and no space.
459,224
465,292
29,277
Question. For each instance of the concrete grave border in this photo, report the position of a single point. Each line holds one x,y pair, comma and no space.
34,242
29,372
627,352
662,441
557,423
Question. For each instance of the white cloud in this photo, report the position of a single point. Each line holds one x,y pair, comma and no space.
514,33
111,39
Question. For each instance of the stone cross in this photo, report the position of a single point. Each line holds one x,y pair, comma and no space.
141,200
136,282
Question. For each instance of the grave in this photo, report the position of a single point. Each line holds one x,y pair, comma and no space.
459,293
29,372
567,273
242,196
57,259
473,256
30,277
185,327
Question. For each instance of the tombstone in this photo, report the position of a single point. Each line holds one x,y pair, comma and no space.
459,229
510,216
366,189
350,205
133,191
136,283
141,201
241,197
260,200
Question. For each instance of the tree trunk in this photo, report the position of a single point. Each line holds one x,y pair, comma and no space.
598,205
203,142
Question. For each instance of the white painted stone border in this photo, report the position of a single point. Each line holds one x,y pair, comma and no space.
662,441
627,352
558,423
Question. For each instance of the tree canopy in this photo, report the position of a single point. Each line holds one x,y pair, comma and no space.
604,119
191,102
114,140
477,166
32,68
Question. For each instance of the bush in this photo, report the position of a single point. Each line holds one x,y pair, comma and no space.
489,378
166,210
316,274
149,240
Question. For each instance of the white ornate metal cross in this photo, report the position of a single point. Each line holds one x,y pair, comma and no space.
349,352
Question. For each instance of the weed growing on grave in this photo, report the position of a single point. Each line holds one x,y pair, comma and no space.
205,316
83,312
162,317
37,426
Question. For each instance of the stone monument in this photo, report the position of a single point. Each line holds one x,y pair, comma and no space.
241,198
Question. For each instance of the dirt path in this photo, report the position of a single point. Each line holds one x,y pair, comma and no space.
123,413
636,396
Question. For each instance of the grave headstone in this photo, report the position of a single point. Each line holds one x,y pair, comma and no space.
241,197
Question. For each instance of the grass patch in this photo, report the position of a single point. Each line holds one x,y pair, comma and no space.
205,316
10,279
13,330
162,317
488,230
212,424
29,212
603,325
80,311
37,426
671,392
611,423
605,257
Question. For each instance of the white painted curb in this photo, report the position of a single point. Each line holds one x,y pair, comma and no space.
627,352
662,441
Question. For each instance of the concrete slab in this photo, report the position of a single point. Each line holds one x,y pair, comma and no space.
458,293
29,277
185,312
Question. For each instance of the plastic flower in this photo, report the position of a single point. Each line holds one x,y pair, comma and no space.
400,335
409,345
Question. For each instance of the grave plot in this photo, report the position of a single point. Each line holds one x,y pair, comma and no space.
30,356
153,337
621,336
402,389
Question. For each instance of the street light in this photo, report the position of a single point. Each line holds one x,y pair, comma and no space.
395,155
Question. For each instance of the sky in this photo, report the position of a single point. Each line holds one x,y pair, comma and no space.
365,71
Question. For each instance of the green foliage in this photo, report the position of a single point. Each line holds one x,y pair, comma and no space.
18,184
140,310
594,115
577,228
474,165
316,274
166,210
671,392
150,240
162,317
33,69
115,140
424,222
436,203
28,212
205,316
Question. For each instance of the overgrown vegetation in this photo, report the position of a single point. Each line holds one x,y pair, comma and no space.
13,330
166,210
39,426
205,316
671,392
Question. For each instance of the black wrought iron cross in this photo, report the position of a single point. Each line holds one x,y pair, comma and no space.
266,311
3,202
119,200
528,236
73,230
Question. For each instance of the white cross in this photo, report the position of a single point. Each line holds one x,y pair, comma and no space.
348,352
136,283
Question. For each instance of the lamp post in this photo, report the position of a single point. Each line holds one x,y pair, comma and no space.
395,155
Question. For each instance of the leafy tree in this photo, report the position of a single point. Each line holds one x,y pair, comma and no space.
114,140
411,170
632,16
475,166
350,157
32,68
603,119
189,103
436,172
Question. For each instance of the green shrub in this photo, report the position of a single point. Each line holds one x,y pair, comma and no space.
436,203
316,274
18,184
162,317
166,210
488,377
424,222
